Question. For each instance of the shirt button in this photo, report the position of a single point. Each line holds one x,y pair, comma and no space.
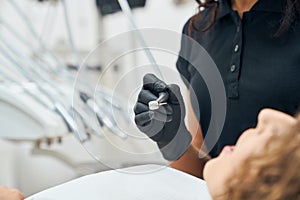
232,68
233,86
236,48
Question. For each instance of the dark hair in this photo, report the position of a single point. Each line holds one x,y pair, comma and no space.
292,12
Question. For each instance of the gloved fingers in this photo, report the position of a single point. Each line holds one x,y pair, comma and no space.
165,110
143,118
162,117
152,83
153,129
175,96
145,96
140,108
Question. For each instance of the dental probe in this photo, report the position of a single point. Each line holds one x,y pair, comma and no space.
160,101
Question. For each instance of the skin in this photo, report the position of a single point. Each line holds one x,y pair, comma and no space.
252,142
10,194
242,6
190,161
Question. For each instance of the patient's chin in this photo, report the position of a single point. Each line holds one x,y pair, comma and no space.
216,178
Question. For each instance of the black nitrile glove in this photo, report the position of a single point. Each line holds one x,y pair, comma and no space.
165,125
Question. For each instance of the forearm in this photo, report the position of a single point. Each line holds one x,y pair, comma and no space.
191,163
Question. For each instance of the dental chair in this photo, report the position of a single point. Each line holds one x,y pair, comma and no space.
145,182
23,119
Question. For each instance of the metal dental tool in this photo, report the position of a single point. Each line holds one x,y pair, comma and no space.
153,105
30,27
59,69
56,92
126,9
45,75
160,101
103,119
56,99
70,35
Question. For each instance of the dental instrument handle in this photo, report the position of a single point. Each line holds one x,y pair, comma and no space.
162,97
160,101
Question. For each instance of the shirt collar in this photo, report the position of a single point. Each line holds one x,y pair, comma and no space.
224,7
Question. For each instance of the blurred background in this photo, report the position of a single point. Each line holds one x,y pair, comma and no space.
51,117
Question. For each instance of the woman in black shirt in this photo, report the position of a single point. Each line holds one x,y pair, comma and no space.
256,46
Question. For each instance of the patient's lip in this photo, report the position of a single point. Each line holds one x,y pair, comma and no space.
228,149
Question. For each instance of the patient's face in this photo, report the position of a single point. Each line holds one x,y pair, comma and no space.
252,142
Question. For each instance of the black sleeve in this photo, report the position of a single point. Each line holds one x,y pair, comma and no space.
182,64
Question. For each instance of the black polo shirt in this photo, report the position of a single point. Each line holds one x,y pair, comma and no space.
259,71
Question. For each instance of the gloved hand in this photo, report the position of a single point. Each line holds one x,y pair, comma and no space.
165,125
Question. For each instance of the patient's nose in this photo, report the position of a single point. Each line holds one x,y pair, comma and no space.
266,116
274,120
